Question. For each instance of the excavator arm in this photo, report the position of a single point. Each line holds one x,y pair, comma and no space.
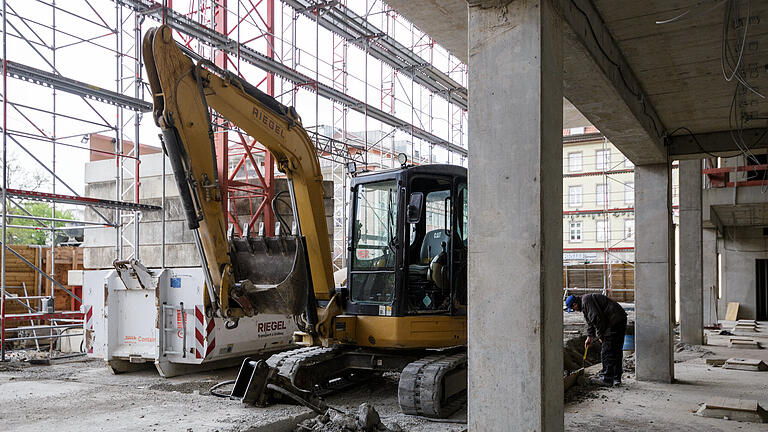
183,91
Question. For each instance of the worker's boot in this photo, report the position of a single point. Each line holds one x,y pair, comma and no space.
600,382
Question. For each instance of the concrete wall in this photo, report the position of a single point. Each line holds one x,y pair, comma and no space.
180,251
739,248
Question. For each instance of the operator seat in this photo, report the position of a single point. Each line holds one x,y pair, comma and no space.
435,244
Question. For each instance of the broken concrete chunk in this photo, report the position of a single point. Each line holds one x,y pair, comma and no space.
745,364
746,410
367,417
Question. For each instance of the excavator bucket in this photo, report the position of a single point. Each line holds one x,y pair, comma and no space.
272,274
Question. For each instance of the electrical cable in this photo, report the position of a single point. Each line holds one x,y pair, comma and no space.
685,15
221,384
705,151
634,92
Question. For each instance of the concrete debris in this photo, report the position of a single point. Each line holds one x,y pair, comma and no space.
30,356
716,362
629,362
685,352
573,354
365,420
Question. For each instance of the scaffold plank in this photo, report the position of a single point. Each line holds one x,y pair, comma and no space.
78,200
79,88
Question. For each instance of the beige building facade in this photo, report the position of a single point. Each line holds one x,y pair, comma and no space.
598,200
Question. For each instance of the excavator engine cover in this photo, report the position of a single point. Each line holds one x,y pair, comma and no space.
271,273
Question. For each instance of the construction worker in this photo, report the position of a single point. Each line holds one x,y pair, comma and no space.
606,321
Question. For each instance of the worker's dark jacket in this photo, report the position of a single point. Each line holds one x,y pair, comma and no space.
601,313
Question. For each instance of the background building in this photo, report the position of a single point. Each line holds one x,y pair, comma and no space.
599,214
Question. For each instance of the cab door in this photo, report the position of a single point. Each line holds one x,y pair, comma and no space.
459,251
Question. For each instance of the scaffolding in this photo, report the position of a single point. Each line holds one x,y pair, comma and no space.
368,84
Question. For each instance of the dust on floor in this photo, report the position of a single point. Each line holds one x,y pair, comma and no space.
77,394
657,406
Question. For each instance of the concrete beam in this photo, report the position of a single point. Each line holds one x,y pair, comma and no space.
721,144
654,273
515,281
602,85
691,276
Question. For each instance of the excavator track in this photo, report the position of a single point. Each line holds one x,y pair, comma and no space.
289,364
434,386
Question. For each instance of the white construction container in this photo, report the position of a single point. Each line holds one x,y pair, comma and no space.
135,315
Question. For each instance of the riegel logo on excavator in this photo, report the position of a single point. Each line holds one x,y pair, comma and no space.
271,326
268,122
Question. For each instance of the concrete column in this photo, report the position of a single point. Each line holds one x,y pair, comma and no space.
654,273
709,273
691,275
515,223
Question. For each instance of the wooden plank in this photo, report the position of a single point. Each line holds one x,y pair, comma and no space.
732,312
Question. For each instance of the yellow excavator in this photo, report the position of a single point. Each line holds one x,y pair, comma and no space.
403,306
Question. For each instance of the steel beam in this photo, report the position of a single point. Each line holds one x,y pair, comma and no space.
338,19
219,41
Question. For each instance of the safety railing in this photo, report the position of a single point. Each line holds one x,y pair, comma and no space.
737,176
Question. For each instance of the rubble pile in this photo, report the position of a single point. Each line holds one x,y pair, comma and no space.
366,419
573,354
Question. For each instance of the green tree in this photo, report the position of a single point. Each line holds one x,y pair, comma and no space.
22,176
27,236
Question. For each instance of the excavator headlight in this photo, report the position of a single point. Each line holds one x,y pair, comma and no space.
402,158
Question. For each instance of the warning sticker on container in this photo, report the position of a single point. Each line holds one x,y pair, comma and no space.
175,282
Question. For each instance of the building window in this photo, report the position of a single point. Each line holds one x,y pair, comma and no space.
628,163
601,194
577,130
574,162
602,160
629,193
574,196
629,229
575,231
602,233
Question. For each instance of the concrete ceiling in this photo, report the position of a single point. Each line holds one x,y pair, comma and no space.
675,67
446,22
742,214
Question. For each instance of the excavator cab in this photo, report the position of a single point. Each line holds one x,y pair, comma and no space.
408,244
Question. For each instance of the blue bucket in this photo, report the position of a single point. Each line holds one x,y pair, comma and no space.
629,343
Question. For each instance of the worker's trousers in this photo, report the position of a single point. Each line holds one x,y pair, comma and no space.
611,354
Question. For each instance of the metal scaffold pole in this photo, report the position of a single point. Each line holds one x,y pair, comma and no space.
5,182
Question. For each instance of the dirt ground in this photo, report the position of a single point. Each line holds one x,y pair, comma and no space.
68,395
71,395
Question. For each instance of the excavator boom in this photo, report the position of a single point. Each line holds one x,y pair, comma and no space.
183,91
